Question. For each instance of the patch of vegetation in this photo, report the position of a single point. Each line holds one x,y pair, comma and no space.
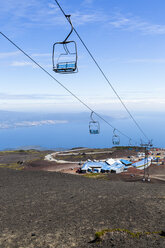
95,175
21,151
5,152
100,234
13,166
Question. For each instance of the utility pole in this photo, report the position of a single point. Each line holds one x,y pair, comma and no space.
146,169
147,178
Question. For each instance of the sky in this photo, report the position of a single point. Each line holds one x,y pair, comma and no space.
126,38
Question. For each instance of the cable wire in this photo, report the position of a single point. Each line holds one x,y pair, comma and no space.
74,95
102,72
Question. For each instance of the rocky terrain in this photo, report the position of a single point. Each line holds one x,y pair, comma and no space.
40,209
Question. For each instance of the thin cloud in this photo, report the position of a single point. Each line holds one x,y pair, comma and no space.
140,97
34,12
145,60
21,64
9,54
87,2
28,64
27,14
31,96
41,54
44,102
81,19
133,23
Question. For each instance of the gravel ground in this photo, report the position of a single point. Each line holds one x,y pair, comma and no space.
41,209
83,156
9,157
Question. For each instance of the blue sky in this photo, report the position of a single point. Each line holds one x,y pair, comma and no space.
126,37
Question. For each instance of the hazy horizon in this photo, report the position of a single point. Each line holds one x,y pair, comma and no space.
67,130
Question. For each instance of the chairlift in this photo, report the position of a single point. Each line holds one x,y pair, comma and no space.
130,142
115,138
150,143
141,143
146,144
64,55
94,126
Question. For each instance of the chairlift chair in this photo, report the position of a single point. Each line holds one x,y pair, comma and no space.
150,143
130,142
146,144
64,56
65,62
94,126
115,138
141,143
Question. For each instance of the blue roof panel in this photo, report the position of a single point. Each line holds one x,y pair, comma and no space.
126,162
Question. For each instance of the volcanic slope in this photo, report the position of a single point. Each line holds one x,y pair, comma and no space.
44,210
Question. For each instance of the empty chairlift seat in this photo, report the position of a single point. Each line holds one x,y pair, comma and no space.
94,126
65,67
64,55
115,138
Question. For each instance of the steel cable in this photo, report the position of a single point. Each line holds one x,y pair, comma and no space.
102,72
74,95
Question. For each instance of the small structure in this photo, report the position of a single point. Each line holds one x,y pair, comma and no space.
117,167
114,166
127,163
140,154
94,167
110,161
142,164
106,168
110,166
